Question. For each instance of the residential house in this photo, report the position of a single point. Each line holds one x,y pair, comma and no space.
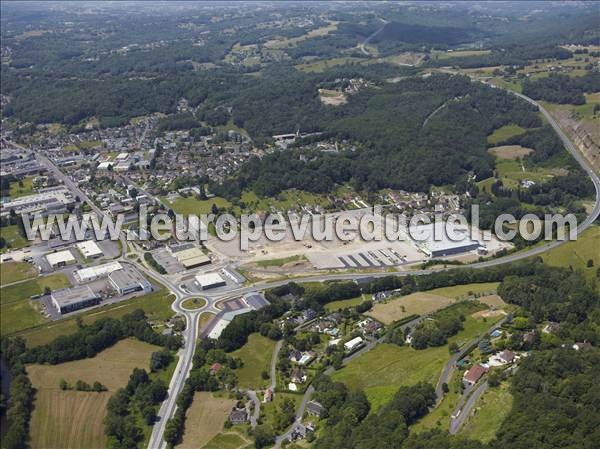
298,376
315,408
475,373
238,416
585,346
551,328
214,368
506,356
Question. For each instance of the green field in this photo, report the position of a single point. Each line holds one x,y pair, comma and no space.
387,367
504,133
256,354
14,238
511,173
487,416
575,254
191,205
269,410
227,440
16,190
345,303
459,291
439,417
17,311
458,54
15,271
157,306
279,262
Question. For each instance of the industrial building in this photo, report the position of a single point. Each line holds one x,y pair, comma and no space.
224,321
191,257
54,200
74,298
210,280
443,239
99,271
129,280
256,300
89,249
231,274
60,259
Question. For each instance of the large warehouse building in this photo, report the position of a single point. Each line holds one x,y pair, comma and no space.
441,239
89,249
74,298
210,280
60,259
99,271
129,280
191,257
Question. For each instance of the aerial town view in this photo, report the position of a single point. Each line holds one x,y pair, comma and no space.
300,224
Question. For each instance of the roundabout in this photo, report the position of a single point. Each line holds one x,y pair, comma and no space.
192,304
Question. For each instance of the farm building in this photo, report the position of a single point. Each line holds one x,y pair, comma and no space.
99,271
60,258
89,249
128,280
210,280
70,299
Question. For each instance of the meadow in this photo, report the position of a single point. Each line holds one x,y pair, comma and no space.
387,367
256,354
13,237
504,132
74,419
487,415
205,419
15,271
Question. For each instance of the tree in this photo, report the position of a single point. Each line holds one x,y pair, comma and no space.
445,387
63,384
590,263
453,348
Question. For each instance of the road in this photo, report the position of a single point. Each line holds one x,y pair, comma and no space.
465,409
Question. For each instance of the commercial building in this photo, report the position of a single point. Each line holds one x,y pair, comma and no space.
92,273
443,239
51,201
89,249
210,280
129,280
191,257
256,300
231,274
74,298
60,258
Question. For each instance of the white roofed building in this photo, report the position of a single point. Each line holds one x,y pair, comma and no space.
89,249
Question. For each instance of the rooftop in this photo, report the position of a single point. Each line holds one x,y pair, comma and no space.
73,295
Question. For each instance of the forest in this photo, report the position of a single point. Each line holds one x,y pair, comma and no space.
562,89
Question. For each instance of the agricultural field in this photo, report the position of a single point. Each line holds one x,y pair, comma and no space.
324,64
256,354
15,272
577,253
283,43
487,415
205,419
435,55
74,419
387,367
157,306
510,152
18,312
423,303
13,237
512,172
332,97
504,133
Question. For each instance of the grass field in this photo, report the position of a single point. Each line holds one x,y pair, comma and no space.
157,306
488,414
256,354
228,440
193,303
16,190
510,152
511,173
458,54
576,253
74,419
439,417
384,369
15,271
322,65
282,43
13,237
205,419
504,133
191,205
268,411
204,320
345,303
17,311
279,262
421,303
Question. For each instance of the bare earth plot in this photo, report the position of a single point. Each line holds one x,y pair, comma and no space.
510,152
74,419
205,419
